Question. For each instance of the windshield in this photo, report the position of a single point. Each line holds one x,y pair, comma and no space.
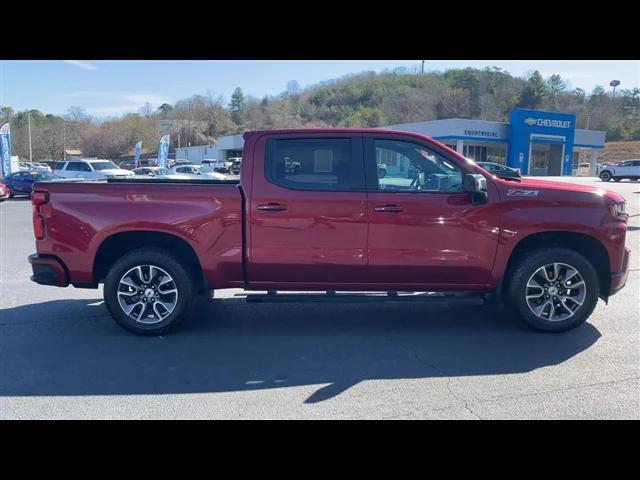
104,166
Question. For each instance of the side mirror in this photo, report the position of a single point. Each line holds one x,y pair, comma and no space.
476,184
151,174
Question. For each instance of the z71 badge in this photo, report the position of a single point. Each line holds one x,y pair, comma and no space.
518,192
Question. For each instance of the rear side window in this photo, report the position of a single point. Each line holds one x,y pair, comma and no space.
324,164
59,165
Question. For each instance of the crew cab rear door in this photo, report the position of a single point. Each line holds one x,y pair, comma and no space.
424,230
307,211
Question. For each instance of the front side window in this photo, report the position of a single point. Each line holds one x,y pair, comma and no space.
322,164
409,167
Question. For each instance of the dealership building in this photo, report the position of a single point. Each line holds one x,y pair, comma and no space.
536,142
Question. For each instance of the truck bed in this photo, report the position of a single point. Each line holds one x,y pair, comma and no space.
206,214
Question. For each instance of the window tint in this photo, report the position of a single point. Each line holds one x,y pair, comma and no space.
59,165
311,164
410,167
104,166
78,167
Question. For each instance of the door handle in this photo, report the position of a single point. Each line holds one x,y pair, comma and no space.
388,209
272,207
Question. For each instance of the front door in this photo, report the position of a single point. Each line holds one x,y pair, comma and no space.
307,222
424,231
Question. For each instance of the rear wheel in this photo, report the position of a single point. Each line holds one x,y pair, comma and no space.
617,179
605,176
149,291
554,289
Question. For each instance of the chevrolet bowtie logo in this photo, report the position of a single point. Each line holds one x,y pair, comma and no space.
530,121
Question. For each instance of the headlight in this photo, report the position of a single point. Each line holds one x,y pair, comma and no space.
618,211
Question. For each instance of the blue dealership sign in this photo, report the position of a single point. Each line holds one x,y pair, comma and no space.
5,150
163,151
530,127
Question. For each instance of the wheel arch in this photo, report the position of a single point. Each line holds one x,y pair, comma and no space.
586,245
118,244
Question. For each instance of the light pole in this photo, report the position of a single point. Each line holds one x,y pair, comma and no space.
614,84
29,124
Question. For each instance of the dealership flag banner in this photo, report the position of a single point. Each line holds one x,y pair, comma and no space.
5,150
136,153
163,151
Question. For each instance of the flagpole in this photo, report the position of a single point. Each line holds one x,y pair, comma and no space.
29,123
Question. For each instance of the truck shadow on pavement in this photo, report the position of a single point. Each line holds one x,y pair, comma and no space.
72,347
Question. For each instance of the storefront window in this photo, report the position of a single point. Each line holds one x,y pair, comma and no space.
485,153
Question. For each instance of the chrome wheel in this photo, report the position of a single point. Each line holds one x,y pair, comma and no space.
147,294
555,292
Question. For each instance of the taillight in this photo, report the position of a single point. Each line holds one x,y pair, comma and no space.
38,199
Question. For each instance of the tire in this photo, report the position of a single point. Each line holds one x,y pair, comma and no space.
529,265
182,280
605,176
617,179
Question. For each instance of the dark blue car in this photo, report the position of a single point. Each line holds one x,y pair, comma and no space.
21,183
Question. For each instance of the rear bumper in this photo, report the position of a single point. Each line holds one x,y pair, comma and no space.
48,270
619,279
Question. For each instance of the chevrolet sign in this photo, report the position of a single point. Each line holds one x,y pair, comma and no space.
545,122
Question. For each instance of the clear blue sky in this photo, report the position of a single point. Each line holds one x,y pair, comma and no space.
111,88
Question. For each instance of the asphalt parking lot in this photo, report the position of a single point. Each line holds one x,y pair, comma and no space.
61,355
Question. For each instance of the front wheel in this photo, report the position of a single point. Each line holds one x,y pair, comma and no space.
605,176
554,289
149,291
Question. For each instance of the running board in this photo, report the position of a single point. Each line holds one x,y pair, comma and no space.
332,296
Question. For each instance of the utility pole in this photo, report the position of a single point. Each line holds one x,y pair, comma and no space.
588,115
29,124
422,71
64,141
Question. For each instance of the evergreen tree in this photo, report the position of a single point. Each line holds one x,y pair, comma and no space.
237,106
535,92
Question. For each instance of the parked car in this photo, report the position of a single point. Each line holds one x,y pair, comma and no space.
159,172
583,170
546,250
21,183
196,170
499,170
235,167
90,169
629,169
4,192
34,166
219,166
127,165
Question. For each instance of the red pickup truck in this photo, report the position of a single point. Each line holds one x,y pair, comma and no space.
432,222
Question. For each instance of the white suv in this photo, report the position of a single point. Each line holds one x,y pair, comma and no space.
91,169
628,169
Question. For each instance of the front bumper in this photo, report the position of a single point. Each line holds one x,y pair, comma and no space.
619,279
48,270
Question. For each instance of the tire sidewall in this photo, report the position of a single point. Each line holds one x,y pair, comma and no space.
530,264
160,258
605,176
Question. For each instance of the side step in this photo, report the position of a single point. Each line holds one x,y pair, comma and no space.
331,296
